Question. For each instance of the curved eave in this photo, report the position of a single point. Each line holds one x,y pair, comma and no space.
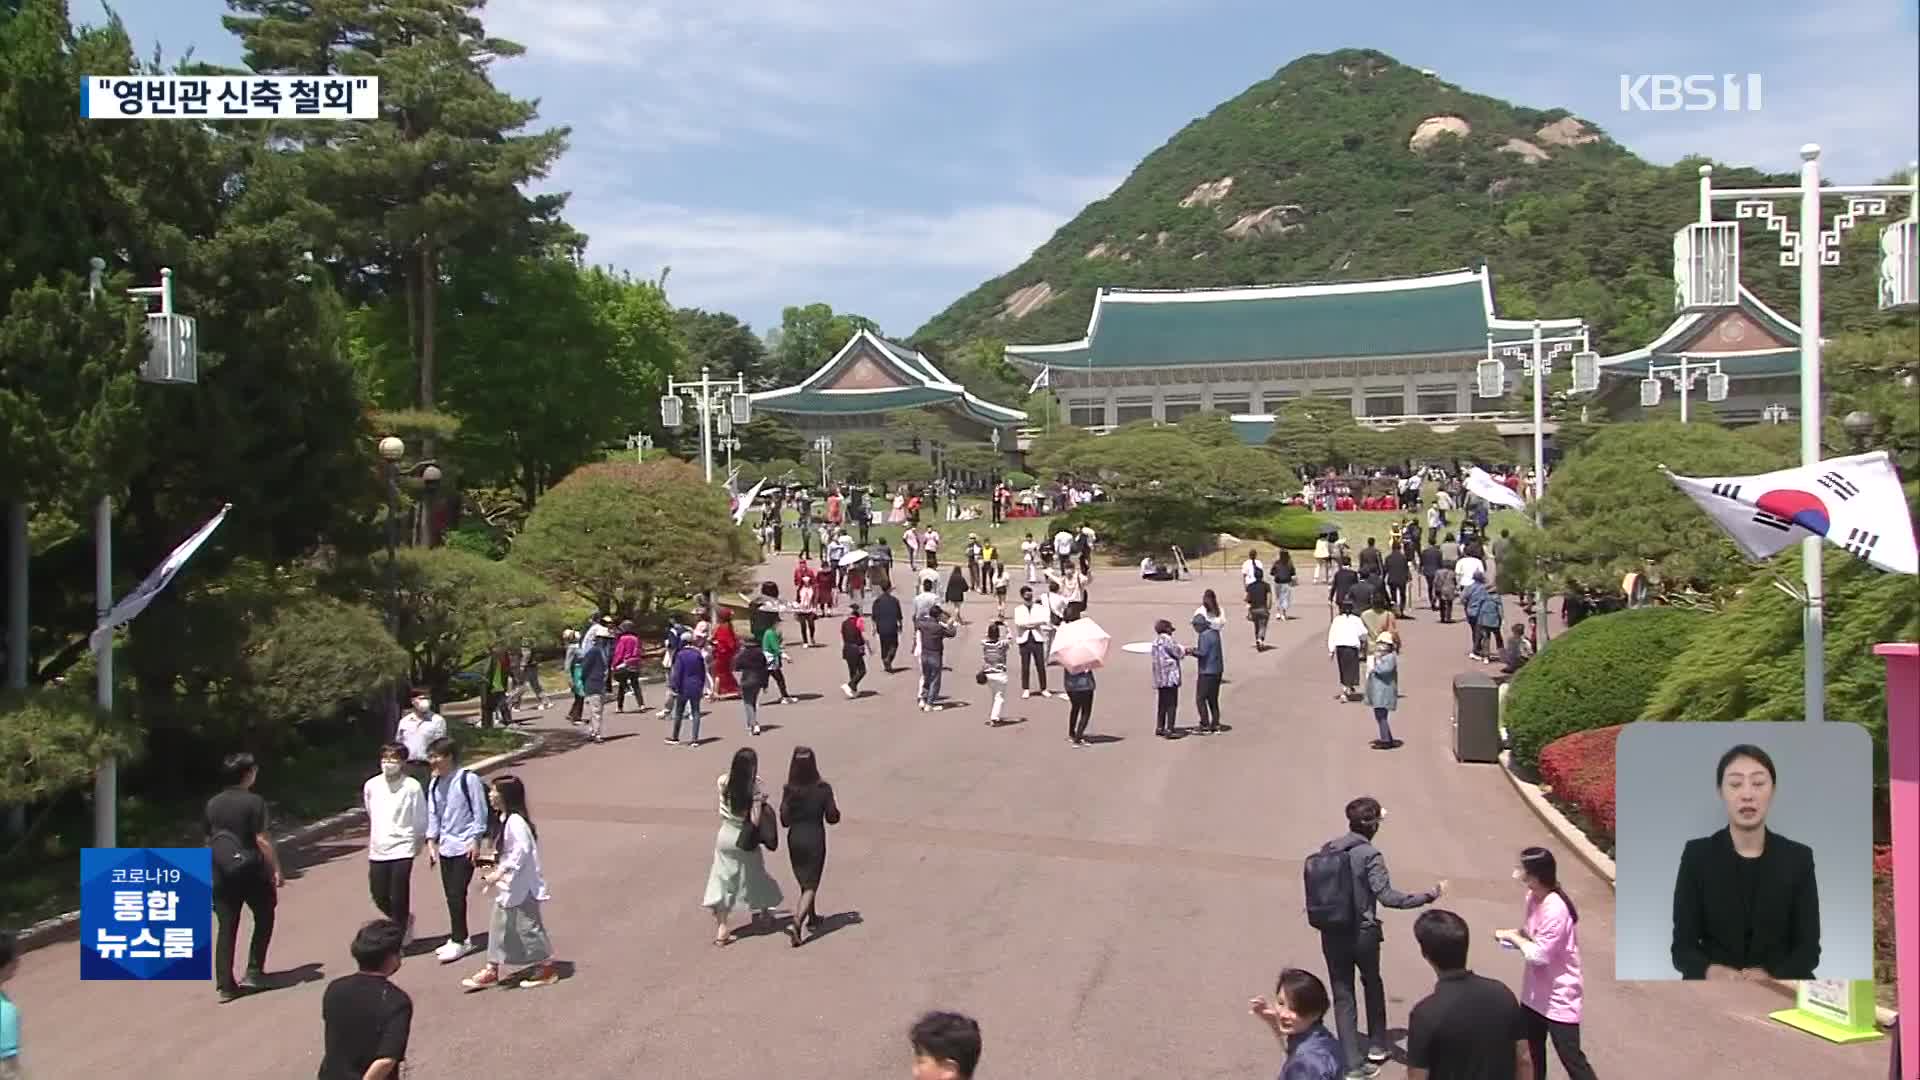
1735,365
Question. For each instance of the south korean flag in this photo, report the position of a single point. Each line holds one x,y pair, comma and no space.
1854,502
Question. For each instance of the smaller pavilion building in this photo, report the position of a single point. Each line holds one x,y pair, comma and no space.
870,377
1754,346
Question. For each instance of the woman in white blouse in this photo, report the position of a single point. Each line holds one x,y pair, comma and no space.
517,935
1346,639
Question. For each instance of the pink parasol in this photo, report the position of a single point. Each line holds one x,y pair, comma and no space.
1080,645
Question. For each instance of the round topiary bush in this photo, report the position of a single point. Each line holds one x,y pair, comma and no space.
1600,674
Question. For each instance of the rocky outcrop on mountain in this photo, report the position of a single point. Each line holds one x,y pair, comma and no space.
1022,302
1209,193
1098,250
1430,130
1566,131
1273,221
1525,150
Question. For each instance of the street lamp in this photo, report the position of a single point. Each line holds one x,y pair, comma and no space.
824,447
1536,358
1707,274
709,396
1775,414
639,443
1682,375
727,441
1859,428
172,358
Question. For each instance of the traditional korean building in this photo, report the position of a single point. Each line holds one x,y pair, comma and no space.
870,377
1399,349
1755,348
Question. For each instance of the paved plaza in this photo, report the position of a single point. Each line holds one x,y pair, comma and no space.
1105,912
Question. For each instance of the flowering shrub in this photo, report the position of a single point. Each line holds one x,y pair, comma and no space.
1577,770
1883,914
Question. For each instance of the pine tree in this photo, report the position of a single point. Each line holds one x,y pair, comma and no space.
443,169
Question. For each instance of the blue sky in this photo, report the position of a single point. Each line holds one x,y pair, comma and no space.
888,156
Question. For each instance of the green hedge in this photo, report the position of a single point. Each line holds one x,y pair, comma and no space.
1601,673
1294,528
1144,525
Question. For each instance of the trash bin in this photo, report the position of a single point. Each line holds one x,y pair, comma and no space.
1476,718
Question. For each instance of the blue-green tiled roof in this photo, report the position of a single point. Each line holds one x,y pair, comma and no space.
1442,313
832,401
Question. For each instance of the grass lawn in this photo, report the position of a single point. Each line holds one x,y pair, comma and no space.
43,879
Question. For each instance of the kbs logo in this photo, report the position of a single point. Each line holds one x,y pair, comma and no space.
1689,93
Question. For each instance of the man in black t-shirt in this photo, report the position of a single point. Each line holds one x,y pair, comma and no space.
1470,1027
367,1018
246,872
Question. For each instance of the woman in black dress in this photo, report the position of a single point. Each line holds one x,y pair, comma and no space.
806,809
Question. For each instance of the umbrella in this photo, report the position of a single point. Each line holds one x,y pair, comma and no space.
1329,530
1080,645
857,555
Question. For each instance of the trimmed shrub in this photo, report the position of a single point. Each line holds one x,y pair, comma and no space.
1577,770
1601,673
1017,479
1294,528
1144,525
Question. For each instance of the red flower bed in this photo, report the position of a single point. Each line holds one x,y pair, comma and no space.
1883,914
1578,770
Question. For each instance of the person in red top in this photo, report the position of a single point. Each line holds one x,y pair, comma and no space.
626,667
823,589
802,574
833,507
725,644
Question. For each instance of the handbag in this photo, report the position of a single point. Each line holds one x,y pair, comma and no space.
767,835
980,676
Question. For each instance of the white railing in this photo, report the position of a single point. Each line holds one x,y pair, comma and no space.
1026,435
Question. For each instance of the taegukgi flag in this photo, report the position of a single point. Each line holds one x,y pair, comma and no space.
1045,378
136,601
1854,502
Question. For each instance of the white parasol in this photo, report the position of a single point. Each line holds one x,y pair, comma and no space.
856,556
1080,645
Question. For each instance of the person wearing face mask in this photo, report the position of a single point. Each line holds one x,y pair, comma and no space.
419,728
396,826
1746,904
1297,1017
1550,986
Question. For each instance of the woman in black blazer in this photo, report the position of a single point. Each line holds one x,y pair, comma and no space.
1745,902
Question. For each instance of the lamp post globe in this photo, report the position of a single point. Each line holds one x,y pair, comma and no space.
391,448
430,475
1858,425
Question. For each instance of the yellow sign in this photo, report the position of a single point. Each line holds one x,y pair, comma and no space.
1834,1009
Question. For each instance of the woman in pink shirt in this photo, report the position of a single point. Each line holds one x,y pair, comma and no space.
1550,987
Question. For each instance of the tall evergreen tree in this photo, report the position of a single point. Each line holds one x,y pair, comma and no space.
444,168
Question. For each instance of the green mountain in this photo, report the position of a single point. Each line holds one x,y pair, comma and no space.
1352,165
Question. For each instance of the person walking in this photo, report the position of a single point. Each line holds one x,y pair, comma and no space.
530,678
365,1019
807,807
1470,1025
806,611
1429,571
687,682
1346,881
1446,589
933,628
1030,556
246,872
750,671
499,681
456,822
1383,686
1551,987
674,640
1032,627
1341,585
594,674
993,669
418,728
1346,637
738,877
853,650
1166,655
946,1046
1259,608
1251,567
1284,578
726,645
1211,667
1297,1017
626,667
396,828
886,625
517,931
1322,559
1399,573
956,590
1487,620
775,648
1209,609
570,662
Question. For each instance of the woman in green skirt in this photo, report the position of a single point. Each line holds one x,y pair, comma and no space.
516,936
739,878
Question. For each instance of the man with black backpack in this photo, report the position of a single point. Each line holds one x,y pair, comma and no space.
457,820
246,871
1345,881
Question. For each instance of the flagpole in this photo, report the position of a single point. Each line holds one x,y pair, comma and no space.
1813,618
106,779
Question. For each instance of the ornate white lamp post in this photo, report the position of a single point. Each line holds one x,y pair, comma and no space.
639,443
710,397
1706,274
1536,359
727,440
1682,375
1775,413
824,447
